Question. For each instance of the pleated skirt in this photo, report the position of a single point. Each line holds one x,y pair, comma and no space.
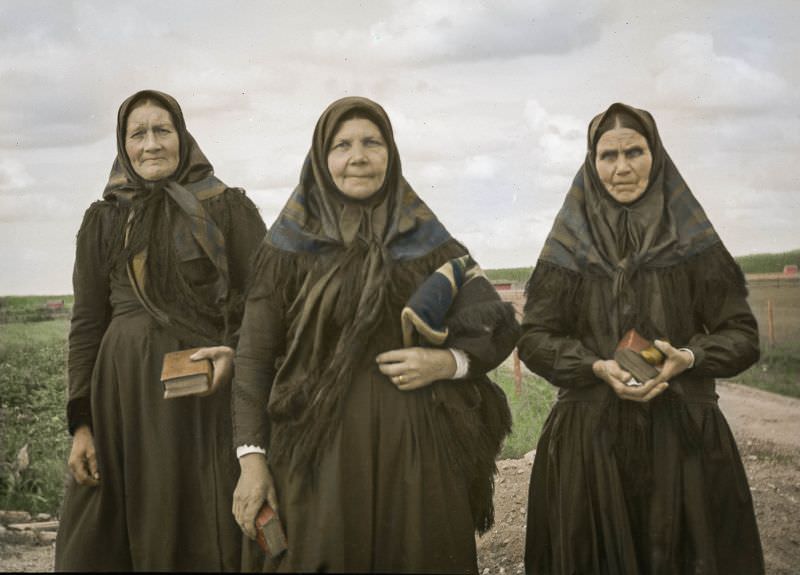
587,515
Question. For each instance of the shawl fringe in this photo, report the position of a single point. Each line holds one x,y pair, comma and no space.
471,418
629,423
306,412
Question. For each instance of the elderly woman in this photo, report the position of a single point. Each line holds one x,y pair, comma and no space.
382,453
160,266
632,478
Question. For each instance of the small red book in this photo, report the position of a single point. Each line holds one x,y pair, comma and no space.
638,356
269,532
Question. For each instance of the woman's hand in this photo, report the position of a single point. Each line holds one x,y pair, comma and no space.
255,486
222,358
676,363
610,371
83,459
415,367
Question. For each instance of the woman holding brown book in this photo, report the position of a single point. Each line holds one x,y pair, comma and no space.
360,401
160,267
636,470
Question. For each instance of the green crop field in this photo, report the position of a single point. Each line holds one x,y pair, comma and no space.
768,263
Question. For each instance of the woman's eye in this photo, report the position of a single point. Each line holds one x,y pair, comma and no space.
137,134
373,143
634,152
608,156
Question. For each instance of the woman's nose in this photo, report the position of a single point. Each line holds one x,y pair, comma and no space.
358,154
623,167
151,142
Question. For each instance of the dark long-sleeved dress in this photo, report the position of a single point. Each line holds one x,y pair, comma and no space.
668,493
386,495
167,470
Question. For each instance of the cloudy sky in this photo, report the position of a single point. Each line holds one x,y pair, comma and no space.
490,101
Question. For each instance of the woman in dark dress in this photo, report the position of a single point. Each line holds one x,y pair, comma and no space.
160,266
382,455
632,478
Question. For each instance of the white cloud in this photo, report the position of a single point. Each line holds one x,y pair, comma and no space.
694,74
456,30
13,176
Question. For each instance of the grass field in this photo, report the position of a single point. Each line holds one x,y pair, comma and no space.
768,263
32,413
529,410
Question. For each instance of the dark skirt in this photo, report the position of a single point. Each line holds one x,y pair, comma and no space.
384,497
167,468
688,511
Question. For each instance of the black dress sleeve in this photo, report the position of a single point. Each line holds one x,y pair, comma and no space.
549,346
261,343
483,326
91,312
729,343
244,230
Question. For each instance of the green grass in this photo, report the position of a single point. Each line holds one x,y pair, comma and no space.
516,275
777,371
31,308
32,413
768,263
529,409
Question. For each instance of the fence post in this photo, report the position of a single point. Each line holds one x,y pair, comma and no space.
770,324
517,373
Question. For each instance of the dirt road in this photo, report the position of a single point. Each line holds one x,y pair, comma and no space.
766,426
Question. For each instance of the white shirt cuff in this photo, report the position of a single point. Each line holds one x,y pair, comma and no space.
691,365
462,363
243,450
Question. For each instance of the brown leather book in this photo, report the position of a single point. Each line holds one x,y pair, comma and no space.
638,356
269,532
181,376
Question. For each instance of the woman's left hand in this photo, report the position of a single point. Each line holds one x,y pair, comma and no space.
415,367
221,357
676,363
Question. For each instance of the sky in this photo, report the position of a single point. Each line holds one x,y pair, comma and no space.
490,102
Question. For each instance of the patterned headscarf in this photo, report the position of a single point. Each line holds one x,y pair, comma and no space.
595,235
354,244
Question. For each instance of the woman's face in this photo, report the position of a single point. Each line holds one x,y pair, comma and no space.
357,158
623,162
151,142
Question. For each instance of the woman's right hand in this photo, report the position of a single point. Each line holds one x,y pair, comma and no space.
83,459
610,371
254,487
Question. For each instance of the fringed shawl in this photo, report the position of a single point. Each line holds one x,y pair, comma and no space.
167,226
596,236
349,249
620,266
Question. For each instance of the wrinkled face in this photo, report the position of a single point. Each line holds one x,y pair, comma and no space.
623,162
357,158
151,142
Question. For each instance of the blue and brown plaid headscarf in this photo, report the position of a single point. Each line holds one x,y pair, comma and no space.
354,244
